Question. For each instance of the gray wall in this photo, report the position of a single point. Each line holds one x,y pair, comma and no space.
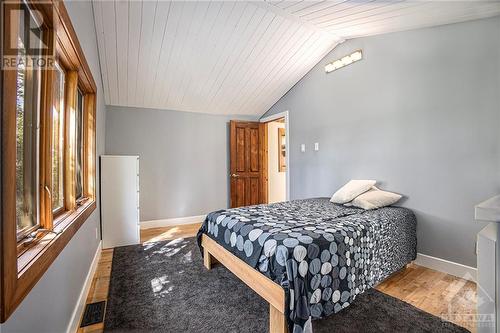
50,304
183,158
420,113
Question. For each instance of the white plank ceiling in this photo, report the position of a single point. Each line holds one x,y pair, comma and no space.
237,57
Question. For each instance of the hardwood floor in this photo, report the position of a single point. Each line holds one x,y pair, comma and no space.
443,295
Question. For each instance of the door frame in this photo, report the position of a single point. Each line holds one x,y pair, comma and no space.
283,114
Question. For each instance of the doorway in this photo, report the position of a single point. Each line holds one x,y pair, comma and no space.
259,161
278,180
276,159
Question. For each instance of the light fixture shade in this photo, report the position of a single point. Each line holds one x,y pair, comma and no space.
344,61
356,56
329,68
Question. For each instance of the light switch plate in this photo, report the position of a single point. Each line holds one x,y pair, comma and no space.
303,148
316,146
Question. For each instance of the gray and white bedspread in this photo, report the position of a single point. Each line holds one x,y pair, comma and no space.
322,254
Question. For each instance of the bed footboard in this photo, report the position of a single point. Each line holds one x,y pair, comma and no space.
272,292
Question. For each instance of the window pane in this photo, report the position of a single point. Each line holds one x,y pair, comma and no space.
27,101
79,145
58,140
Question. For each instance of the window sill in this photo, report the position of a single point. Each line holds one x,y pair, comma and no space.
37,257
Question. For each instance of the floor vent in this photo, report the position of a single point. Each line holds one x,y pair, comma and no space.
94,313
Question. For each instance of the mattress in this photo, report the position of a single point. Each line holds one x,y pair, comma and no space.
322,254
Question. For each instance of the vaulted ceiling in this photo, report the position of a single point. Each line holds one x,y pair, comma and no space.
235,57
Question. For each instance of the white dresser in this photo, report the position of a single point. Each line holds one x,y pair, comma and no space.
119,200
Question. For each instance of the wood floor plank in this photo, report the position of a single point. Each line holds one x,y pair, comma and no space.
440,294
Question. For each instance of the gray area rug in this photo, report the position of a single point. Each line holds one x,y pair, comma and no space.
164,287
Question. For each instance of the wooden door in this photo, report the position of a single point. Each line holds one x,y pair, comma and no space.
248,163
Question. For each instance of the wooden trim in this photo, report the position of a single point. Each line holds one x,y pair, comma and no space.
72,45
29,257
272,292
71,84
39,264
45,176
89,146
8,152
20,272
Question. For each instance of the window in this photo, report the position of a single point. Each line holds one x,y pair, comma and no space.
27,110
58,118
48,143
79,147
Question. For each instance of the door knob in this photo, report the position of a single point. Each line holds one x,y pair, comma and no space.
234,175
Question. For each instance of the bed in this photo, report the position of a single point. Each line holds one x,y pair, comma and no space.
308,258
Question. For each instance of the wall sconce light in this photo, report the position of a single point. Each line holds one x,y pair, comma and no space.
344,61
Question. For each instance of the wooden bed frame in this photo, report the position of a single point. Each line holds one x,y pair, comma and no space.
272,292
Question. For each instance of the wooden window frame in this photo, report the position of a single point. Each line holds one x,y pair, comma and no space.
24,233
43,160
82,199
21,269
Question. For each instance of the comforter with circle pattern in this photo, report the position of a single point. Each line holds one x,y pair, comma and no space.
322,254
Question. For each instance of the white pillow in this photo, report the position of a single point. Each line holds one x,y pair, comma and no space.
351,190
375,198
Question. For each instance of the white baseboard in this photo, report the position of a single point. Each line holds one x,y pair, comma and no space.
445,266
82,299
171,222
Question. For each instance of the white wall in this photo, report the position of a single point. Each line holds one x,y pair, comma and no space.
420,113
50,304
276,179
